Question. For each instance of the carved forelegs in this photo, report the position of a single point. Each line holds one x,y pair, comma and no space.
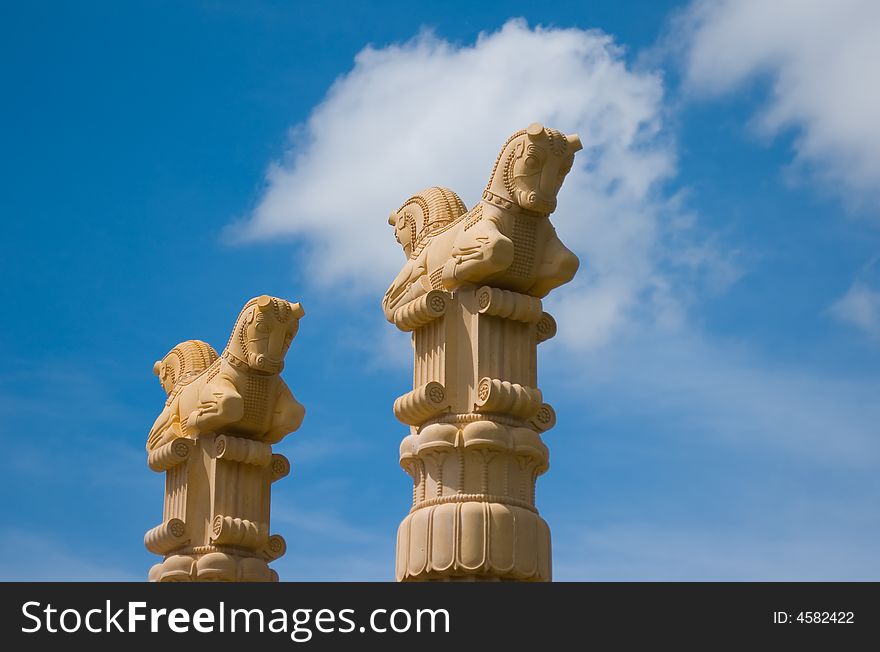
406,287
477,254
164,429
219,404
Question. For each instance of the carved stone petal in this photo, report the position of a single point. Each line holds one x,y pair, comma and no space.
472,540
501,538
443,533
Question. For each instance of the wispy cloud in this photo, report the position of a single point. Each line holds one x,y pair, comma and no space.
821,59
429,112
860,307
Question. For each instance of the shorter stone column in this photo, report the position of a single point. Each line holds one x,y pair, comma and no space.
224,484
214,442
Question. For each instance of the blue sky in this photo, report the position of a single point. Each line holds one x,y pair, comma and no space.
717,372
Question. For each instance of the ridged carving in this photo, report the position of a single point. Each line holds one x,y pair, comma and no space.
421,403
474,498
280,467
495,395
226,530
509,305
167,456
166,537
421,311
206,564
544,418
275,547
467,539
246,451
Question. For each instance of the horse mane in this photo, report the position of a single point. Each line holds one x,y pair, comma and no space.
519,133
192,356
441,208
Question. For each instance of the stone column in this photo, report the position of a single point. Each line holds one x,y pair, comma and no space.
475,448
470,293
215,521
213,440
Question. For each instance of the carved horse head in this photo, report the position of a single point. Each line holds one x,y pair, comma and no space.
263,332
532,166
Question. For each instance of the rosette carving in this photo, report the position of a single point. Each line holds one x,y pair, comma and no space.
167,456
166,537
495,395
509,305
417,406
421,311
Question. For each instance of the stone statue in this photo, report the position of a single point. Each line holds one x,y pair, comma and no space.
505,241
470,293
213,439
240,392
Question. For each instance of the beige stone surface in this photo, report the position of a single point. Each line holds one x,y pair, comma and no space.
213,440
470,293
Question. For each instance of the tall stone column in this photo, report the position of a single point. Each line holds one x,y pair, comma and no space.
470,294
213,441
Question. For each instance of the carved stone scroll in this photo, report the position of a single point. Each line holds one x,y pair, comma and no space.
509,305
517,400
167,456
421,403
426,308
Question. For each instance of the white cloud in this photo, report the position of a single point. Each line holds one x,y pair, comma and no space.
821,57
860,306
428,112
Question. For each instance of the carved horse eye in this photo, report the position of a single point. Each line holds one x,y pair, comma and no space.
531,161
261,327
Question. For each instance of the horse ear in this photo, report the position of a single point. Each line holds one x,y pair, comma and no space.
392,219
574,143
535,130
157,368
264,302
